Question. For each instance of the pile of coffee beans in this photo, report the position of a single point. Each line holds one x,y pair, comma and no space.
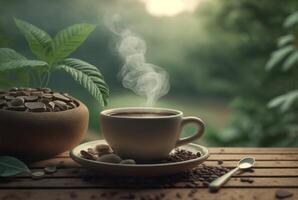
104,153
36,100
181,155
198,177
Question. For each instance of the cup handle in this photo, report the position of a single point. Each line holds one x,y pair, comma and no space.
197,135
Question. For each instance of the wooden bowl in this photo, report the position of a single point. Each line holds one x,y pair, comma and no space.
40,135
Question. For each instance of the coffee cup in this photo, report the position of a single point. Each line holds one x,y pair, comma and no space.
146,134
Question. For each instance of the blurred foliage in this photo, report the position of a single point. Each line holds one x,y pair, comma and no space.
257,26
287,57
218,52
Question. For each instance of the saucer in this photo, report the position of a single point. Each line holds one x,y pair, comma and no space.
156,169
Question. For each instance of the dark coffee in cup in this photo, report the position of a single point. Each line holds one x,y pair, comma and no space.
141,114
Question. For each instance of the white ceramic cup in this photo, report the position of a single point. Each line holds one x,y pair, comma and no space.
146,134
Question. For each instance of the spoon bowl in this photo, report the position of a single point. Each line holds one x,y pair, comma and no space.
246,163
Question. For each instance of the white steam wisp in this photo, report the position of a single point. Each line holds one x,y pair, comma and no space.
144,79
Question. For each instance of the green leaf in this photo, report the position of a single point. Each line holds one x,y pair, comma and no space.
278,56
284,101
17,64
88,76
38,40
285,40
69,39
7,55
10,166
290,61
291,20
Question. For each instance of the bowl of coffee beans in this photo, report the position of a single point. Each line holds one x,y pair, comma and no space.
38,123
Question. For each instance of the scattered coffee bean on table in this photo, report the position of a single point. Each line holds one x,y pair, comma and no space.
37,175
50,169
35,100
247,180
282,194
200,176
220,162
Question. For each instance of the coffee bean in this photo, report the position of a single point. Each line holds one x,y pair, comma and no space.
16,108
92,151
73,195
2,102
36,106
220,162
14,94
247,180
60,97
50,169
30,98
214,176
103,149
57,109
87,155
37,175
45,101
17,101
37,93
178,195
282,194
205,183
51,105
61,104
9,98
47,96
72,104
110,158
46,90
14,89
128,161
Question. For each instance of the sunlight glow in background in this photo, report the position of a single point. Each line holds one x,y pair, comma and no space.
170,8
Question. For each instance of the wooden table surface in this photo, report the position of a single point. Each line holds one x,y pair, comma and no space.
275,168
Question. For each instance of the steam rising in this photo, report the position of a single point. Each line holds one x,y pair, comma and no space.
144,79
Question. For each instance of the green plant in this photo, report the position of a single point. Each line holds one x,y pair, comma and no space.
286,56
10,166
51,54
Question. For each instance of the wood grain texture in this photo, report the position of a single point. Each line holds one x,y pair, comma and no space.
275,168
169,194
258,172
108,183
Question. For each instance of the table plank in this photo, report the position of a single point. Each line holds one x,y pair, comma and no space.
258,172
108,183
68,162
258,157
111,194
252,150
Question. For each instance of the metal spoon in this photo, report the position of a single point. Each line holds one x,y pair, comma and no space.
244,163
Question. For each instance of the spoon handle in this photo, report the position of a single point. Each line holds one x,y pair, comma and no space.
217,183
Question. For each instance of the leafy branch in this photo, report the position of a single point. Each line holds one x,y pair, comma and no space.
52,53
286,56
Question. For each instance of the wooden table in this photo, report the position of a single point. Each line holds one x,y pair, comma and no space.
275,168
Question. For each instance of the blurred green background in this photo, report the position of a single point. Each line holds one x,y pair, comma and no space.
215,52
